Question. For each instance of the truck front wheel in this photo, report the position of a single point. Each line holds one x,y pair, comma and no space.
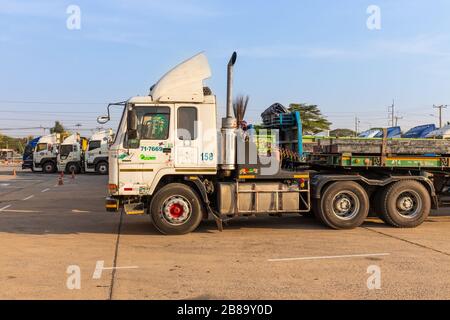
73,167
49,167
102,168
176,209
405,204
343,205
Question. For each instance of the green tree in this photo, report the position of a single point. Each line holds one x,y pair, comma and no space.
312,119
58,128
342,133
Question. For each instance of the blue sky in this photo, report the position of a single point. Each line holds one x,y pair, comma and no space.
312,51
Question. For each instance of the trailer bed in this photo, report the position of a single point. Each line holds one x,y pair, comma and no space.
391,146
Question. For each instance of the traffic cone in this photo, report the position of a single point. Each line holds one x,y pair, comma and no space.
60,179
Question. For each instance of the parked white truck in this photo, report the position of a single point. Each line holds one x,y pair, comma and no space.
96,155
71,154
172,161
45,153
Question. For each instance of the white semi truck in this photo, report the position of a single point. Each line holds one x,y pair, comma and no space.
96,155
45,153
170,160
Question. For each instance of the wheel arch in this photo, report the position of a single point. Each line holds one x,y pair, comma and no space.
192,181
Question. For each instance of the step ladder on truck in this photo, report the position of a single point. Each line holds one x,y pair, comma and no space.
167,161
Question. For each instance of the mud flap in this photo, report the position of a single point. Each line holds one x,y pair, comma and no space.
217,218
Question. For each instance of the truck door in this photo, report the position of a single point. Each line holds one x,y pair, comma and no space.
151,153
186,140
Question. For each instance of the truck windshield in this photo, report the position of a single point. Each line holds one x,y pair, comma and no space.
66,149
41,147
153,122
95,144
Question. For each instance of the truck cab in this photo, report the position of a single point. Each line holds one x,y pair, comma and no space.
27,157
170,160
96,155
169,133
70,154
45,153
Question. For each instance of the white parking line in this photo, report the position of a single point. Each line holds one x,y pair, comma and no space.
112,268
45,190
28,198
21,211
4,208
99,267
331,257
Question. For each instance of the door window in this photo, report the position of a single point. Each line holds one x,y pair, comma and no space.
187,123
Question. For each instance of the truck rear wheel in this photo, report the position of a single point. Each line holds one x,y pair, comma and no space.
176,209
344,205
405,204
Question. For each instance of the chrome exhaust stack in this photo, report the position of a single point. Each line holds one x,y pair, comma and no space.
229,124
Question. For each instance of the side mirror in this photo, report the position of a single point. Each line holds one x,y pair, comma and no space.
132,124
103,119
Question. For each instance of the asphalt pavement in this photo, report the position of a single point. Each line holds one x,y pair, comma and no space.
59,243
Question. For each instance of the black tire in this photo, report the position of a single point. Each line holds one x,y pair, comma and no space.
344,205
73,167
406,204
316,210
102,168
176,195
49,167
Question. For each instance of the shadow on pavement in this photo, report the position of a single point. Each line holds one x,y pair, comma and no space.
99,223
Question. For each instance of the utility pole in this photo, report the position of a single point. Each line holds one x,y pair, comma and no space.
357,122
440,113
396,120
391,111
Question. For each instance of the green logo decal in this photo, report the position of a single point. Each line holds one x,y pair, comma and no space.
147,158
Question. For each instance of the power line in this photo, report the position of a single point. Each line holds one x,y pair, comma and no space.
50,102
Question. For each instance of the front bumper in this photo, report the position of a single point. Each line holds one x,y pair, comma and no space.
112,205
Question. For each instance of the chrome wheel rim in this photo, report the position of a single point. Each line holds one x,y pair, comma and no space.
409,204
176,210
345,205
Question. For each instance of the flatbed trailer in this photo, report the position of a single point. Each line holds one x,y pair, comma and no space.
401,188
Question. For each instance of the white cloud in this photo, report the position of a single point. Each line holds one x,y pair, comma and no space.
173,8
422,45
293,51
30,8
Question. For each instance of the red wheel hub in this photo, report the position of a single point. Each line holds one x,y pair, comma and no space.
176,210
